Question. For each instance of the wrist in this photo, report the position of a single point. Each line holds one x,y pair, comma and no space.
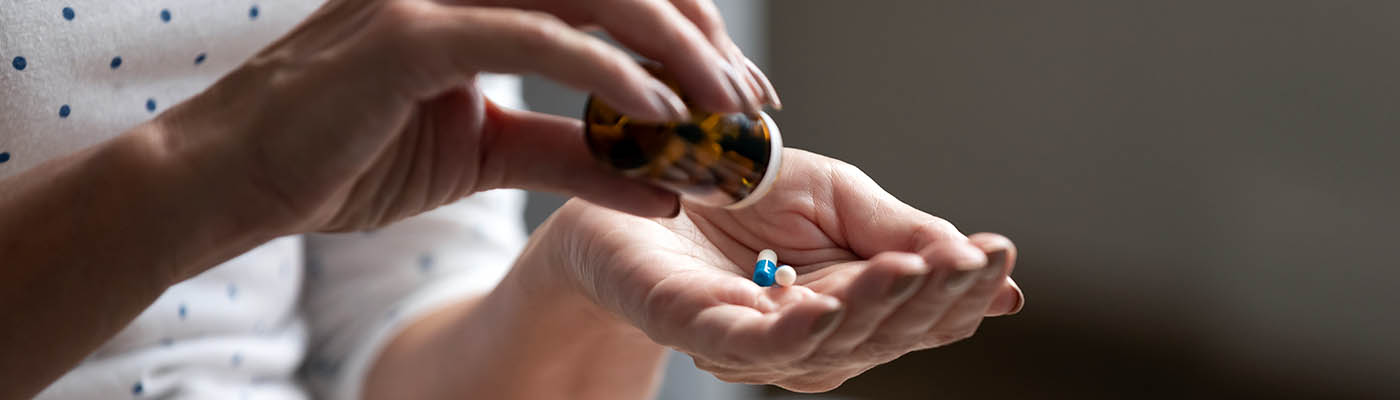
532,337
551,276
596,354
201,187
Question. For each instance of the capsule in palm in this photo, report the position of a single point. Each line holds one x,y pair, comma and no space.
765,268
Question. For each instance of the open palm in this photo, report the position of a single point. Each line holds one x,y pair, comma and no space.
877,278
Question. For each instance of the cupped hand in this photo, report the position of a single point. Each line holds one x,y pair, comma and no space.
367,112
877,278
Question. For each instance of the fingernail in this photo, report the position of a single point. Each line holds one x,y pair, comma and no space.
1020,298
668,103
903,286
969,258
996,265
747,99
959,281
677,212
826,322
768,92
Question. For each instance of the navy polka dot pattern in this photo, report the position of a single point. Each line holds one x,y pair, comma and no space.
425,262
69,57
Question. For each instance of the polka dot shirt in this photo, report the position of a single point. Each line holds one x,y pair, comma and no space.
296,318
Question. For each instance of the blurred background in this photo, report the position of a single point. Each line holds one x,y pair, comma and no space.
1204,193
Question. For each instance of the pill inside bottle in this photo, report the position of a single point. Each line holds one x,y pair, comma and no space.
713,159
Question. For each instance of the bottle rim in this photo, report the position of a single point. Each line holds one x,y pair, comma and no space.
775,163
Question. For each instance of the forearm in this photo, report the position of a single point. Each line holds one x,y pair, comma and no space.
89,240
528,339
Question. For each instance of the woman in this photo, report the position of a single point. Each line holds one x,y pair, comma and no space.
167,254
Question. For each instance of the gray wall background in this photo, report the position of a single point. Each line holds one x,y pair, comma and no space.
1216,179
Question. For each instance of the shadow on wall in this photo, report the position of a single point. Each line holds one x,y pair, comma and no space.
1203,192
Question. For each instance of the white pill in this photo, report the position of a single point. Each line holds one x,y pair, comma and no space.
768,254
785,276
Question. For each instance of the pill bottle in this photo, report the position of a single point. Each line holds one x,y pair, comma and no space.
714,160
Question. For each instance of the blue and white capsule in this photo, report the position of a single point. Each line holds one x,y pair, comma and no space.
765,268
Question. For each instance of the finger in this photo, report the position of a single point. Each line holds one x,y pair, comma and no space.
967,312
1009,300
870,295
465,40
946,283
736,335
871,221
657,30
770,94
708,19
528,150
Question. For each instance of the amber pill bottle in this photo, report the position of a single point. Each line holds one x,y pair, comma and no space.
714,160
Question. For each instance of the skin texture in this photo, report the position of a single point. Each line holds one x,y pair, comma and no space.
364,114
877,278
597,293
532,337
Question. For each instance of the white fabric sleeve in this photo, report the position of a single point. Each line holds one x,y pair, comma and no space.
362,289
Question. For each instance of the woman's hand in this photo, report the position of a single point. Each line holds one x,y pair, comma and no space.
367,112
877,278
688,36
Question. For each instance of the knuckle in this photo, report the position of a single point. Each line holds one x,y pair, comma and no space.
768,354
403,13
658,313
405,20
746,377
614,62
707,365
894,338
814,384
786,352
537,31
876,350
844,174
827,362
842,169
707,16
936,227
943,338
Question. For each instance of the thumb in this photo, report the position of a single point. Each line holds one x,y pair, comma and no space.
535,151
